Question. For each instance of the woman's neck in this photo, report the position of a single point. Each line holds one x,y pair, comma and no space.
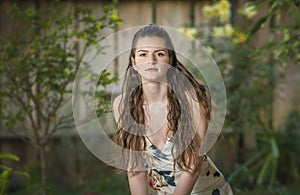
155,92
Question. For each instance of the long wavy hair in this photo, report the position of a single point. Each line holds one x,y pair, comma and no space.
181,83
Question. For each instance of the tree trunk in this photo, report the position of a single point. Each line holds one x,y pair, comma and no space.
43,170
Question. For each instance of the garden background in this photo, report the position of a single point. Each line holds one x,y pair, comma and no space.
256,45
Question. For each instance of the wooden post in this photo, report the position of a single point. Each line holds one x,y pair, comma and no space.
154,11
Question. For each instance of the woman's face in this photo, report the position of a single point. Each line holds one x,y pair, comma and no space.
151,59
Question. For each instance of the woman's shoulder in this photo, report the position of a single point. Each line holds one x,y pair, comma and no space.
192,102
117,101
117,106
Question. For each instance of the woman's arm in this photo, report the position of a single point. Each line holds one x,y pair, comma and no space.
116,105
138,183
186,182
188,179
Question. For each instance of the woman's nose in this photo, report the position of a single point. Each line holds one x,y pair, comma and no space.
152,59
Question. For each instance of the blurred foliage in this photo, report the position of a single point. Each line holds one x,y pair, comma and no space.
116,184
274,162
250,78
39,61
79,174
7,171
284,39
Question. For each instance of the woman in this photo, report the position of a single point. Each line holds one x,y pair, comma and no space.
162,116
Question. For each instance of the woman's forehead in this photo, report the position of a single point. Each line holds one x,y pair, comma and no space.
150,42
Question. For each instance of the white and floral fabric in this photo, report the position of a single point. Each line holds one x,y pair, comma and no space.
162,178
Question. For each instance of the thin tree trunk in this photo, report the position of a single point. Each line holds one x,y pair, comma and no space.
43,170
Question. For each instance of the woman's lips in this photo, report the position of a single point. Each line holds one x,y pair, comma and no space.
151,69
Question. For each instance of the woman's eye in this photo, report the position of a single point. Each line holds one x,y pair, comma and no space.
160,54
142,55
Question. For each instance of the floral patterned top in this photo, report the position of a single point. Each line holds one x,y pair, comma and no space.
162,177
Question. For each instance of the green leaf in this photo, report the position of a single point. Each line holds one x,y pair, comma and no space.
23,173
274,147
6,173
295,13
258,25
6,168
4,184
273,171
106,9
274,6
9,156
264,170
245,165
119,21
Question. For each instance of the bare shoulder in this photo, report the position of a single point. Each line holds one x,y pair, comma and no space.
198,116
194,104
117,107
117,101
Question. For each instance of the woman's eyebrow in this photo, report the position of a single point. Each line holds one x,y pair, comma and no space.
144,50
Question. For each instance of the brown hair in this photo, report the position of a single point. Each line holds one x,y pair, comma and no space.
131,130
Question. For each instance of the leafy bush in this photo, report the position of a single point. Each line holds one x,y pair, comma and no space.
6,172
39,61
